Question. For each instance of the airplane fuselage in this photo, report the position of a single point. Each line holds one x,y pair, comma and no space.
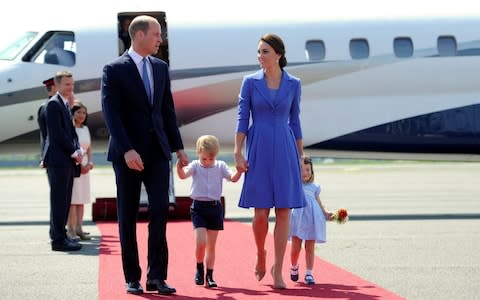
406,85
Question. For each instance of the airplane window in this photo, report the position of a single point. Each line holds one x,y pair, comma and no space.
315,50
359,48
447,45
11,46
58,48
403,47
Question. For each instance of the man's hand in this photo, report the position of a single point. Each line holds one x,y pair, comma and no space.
133,160
182,157
78,159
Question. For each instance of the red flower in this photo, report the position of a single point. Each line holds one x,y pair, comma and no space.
341,216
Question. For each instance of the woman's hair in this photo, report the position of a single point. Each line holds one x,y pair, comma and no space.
277,44
308,161
208,144
76,106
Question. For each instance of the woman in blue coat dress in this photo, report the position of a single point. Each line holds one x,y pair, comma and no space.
271,99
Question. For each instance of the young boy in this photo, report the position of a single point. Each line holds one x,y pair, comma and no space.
206,210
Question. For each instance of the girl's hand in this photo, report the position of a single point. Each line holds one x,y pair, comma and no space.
328,215
84,169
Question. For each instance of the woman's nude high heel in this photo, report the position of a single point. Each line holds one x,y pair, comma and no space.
278,282
260,266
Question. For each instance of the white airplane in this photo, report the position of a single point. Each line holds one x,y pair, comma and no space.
402,82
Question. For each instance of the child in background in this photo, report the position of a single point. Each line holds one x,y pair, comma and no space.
206,210
81,185
307,224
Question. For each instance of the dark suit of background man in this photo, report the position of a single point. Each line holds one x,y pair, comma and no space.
62,153
143,133
41,116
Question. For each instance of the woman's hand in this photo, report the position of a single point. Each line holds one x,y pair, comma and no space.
240,163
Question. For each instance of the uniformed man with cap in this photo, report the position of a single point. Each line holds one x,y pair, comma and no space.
42,122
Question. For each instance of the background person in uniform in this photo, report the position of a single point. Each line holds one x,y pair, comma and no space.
271,97
62,153
41,116
81,185
139,112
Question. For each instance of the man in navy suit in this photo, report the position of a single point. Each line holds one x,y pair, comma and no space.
139,112
61,155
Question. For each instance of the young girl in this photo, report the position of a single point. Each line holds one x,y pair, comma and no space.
206,210
308,224
81,185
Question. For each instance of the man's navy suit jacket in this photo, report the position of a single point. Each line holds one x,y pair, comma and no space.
62,139
130,118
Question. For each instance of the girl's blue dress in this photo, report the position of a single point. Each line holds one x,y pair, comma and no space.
308,223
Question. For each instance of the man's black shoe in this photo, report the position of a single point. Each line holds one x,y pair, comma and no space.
161,286
66,245
134,287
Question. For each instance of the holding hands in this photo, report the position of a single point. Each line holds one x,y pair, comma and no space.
182,161
135,162
182,157
240,163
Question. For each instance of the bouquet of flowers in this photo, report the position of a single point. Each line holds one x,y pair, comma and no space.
341,216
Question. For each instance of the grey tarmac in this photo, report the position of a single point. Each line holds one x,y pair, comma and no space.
413,229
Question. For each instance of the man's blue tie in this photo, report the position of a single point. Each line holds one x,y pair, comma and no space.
146,81
68,111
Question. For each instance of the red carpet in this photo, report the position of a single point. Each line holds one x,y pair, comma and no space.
233,269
